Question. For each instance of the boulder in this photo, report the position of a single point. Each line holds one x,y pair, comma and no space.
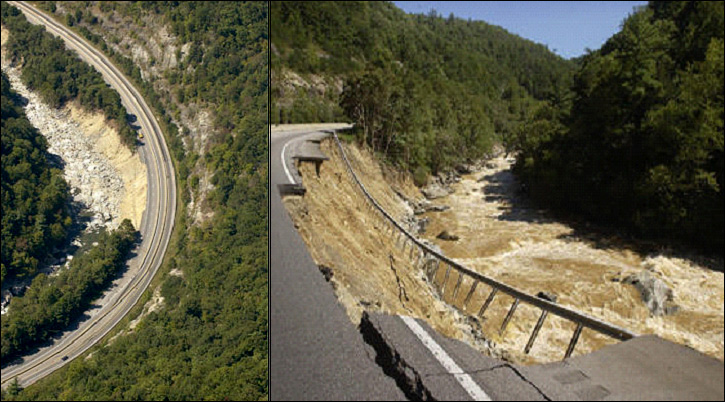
423,225
444,235
654,292
548,296
464,168
435,190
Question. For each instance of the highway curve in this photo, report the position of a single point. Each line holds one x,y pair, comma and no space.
155,228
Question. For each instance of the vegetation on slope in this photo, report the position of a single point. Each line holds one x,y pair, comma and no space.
209,341
640,145
34,211
427,91
51,303
58,75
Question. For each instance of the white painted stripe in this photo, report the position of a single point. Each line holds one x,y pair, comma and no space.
284,165
445,360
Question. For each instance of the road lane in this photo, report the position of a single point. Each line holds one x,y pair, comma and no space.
316,353
155,228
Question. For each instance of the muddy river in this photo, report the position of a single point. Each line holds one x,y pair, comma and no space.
501,236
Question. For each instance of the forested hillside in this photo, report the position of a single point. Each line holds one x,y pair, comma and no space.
35,215
427,91
208,337
53,302
640,145
59,75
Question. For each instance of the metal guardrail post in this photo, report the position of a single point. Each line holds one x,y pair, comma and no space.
574,339
434,270
470,293
458,286
535,333
509,315
487,302
445,280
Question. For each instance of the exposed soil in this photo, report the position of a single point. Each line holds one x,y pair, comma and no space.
502,236
131,170
345,238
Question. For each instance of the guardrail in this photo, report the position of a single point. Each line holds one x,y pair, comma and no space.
434,260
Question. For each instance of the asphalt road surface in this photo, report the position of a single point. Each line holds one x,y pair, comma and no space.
316,353
156,223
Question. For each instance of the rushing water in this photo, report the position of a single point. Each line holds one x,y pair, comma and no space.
507,239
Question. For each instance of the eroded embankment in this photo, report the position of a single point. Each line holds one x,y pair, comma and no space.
502,238
348,242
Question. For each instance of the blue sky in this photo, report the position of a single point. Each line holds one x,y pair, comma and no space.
567,27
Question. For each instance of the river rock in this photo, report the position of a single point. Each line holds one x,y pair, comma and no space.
464,168
548,296
435,190
444,235
654,292
423,225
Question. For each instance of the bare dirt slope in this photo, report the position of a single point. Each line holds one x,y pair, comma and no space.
502,237
346,239
131,170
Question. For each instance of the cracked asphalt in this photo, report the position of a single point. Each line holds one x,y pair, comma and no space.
316,353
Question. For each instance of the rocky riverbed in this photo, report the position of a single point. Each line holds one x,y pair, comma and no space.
108,183
95,183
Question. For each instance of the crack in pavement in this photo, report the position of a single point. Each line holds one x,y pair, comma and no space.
466,371
518,373
490,369
394,366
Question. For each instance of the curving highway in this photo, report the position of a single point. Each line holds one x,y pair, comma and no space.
155,228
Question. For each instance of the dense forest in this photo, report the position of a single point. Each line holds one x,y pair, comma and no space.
209,340
639,143
35,216
51,303
629,135
427,91
58,75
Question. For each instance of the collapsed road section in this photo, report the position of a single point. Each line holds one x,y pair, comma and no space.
423,362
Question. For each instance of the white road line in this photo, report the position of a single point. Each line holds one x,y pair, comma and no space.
464,379
284,164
